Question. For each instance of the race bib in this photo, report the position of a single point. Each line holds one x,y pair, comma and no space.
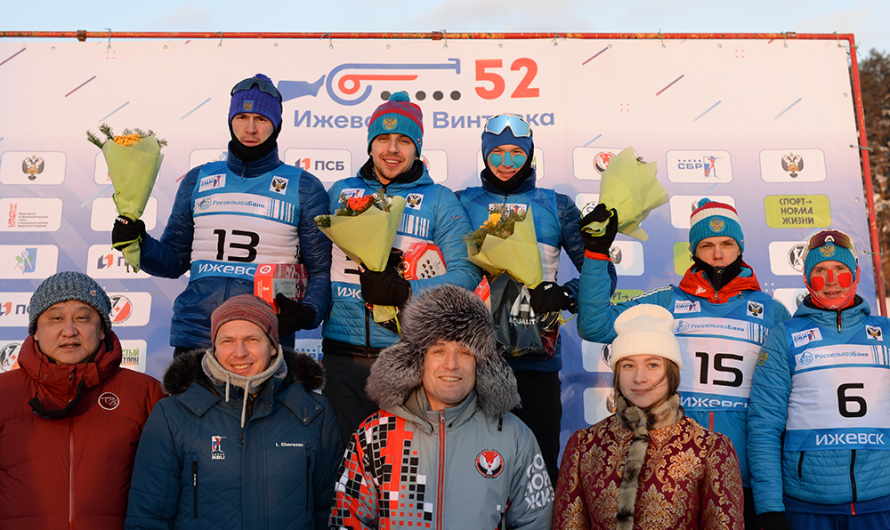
716,373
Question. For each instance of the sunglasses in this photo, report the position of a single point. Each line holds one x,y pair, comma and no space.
261,84
831,236
497,124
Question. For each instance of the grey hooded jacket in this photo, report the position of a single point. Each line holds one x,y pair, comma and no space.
474,465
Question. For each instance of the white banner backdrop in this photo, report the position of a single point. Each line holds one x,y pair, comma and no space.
751,122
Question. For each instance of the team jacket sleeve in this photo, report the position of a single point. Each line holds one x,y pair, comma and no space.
326,471
569,221
451,225
315,247
570,506
767,412
355,504
157,471
171,256
722,499
531,492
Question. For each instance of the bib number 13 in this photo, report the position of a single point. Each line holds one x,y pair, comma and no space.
721,361
246,241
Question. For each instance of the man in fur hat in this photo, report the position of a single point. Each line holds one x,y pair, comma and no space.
443,390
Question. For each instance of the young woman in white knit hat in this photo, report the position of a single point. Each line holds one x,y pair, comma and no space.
648,466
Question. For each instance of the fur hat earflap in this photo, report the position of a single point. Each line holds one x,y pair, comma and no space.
447,313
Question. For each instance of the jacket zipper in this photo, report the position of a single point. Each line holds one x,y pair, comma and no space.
195,485
308,466
70,459
853,475
367,329
800,466
440,496
839,320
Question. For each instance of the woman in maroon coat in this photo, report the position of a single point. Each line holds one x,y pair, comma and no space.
648,466
70,416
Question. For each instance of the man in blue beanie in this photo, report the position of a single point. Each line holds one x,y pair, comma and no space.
221,240
352,339
722,319
509,178
818,422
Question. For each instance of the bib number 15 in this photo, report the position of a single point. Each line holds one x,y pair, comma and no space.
721,361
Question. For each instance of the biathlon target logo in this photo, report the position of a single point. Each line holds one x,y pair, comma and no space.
265,269
795,256
121,308
601,161
489,463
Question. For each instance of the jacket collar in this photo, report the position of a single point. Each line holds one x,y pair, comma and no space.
695,282
417,410
830,318
256,168
527,186
57,378
394,186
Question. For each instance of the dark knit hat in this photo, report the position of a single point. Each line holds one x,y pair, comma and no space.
714,219
829,251
397,116
246,307
65,286
256,95
491,140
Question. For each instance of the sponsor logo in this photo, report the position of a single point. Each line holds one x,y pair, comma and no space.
615,255
606,354
699,166
806,336
121,308
212,182
9,354
851,438
279,185
521,312
390,123
699,290
795,256
601,161
26,261
133,354
216,452
203,204
415,200
755,310
33,166
875,333
706,165
687,306
539,491
489,463
792,164
105,263
352,192
109,401
681,326
31,214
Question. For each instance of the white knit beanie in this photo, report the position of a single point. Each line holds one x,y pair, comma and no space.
645,329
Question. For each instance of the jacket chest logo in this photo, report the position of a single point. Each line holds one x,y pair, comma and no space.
279,185
109,401
216,452
875,333
687,306
489,463
755,310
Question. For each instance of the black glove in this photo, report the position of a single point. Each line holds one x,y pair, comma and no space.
549,296
292,316
386,287
600,244
773,521
125,231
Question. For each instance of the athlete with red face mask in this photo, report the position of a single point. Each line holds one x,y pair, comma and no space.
818,417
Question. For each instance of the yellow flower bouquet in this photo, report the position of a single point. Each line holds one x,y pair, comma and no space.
506,242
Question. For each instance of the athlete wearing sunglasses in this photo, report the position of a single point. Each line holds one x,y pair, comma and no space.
509,178
818,420
213,234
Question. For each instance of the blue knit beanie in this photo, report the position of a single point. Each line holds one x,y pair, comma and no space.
714,219
397,116
64,286
256,101
491,140
829,252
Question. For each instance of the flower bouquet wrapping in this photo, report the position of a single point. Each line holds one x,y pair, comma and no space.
506,247
364,228
629,185
134,159
506,242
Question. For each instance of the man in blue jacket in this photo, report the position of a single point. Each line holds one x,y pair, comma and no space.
230,216
352,339
243,441
509,179
819,421
721,319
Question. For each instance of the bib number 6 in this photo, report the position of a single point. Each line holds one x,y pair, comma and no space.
844,401
720,360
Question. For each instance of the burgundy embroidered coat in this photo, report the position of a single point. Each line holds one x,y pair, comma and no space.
690,479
